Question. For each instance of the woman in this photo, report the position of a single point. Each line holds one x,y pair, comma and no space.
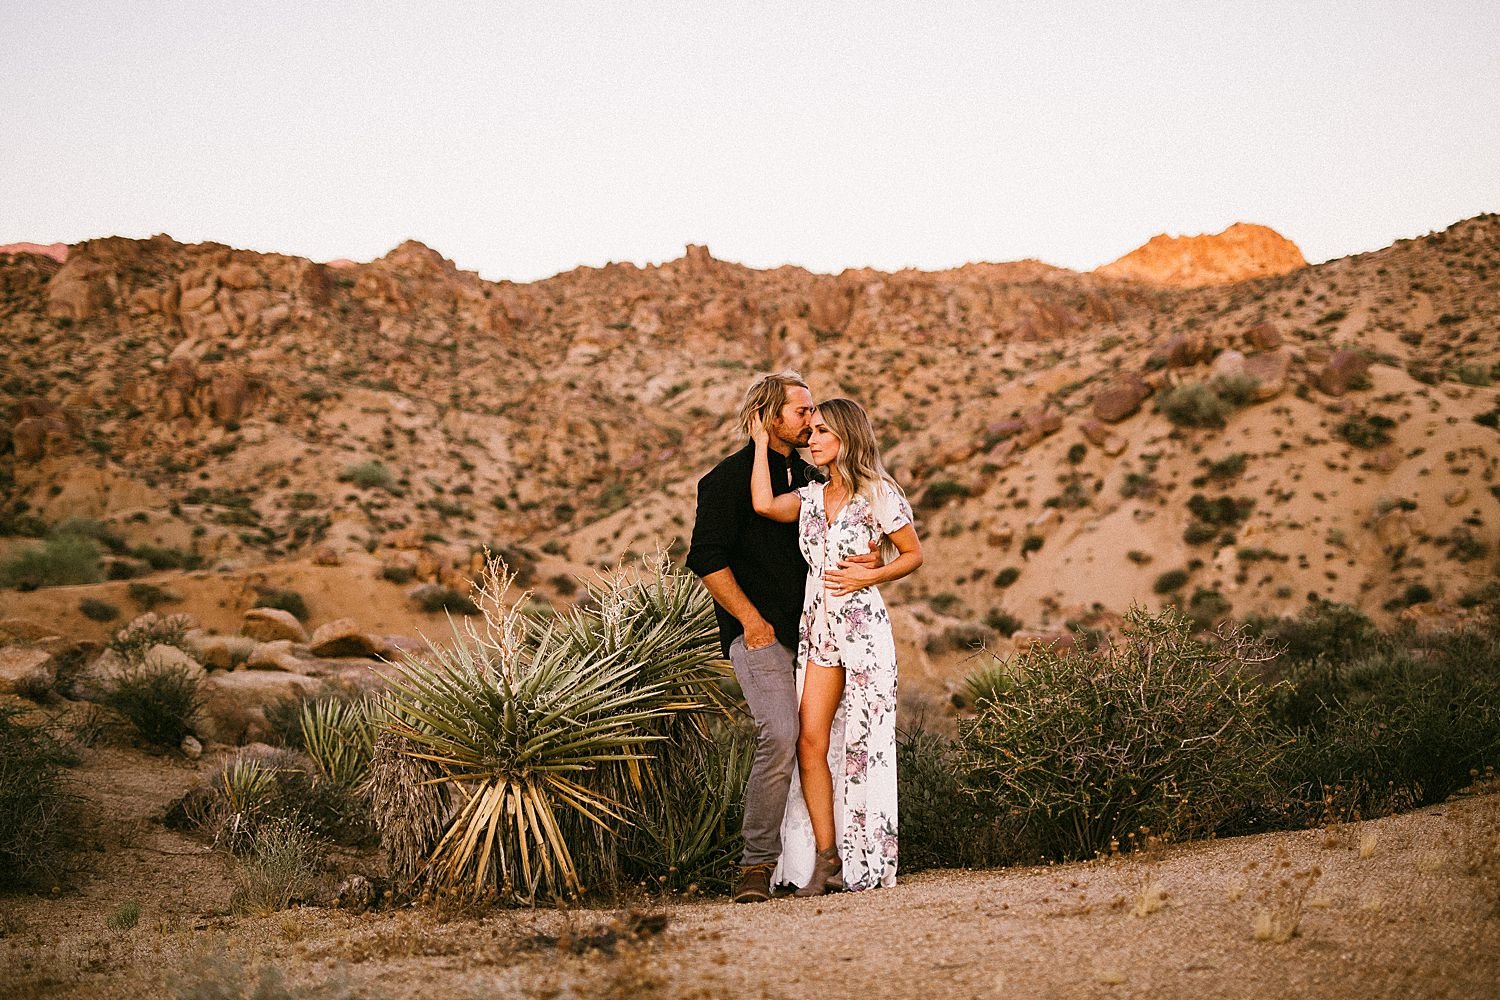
845,834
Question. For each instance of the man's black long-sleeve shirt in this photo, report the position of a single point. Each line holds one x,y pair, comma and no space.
762,553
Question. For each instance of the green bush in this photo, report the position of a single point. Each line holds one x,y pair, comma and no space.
1155,730
1171,580
1395,728
941,825
450,600
97,610
1198,532
248,793
369,475
1366,430
1236,390
37,810
160,700
1007,576
1337,632
63,561
1003,622
148,596
1193,404
285,600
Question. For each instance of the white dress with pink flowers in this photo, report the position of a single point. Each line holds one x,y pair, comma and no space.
853,631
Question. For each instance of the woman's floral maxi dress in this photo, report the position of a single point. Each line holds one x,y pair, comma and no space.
853,631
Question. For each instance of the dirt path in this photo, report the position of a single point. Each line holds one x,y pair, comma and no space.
1402,906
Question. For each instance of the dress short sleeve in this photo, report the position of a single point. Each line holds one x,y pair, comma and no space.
809,492
892,512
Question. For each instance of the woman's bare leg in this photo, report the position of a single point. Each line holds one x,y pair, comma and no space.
821,692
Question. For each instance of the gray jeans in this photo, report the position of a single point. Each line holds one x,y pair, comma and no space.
767,677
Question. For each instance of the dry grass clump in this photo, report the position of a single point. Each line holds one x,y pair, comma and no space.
282,865
1279,893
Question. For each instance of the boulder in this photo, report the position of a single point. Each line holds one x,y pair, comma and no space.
221,652
267,624
239,275
234,704
1456,496
26,670
1344,371
1120,398
1228,364
327,555
343,637
1270,373
164,657
195,298
278,654
95,681
1263,337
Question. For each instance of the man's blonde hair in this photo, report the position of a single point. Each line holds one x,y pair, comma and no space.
766,396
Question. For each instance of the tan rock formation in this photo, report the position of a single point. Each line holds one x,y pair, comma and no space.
1240,252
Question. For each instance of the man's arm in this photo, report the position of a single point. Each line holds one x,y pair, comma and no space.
714,533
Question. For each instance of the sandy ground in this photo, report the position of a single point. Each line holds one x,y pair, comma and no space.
1397,909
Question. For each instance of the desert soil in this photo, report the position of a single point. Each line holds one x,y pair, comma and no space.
1397,909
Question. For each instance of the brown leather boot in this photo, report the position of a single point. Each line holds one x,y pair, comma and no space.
754,884
827,874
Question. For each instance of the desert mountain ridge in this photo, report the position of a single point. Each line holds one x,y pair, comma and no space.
1073,443
1240,252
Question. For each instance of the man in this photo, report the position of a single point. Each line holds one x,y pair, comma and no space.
754,570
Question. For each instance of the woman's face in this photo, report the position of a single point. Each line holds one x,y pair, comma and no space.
824,446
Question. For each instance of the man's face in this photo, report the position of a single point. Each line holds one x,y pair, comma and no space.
793,425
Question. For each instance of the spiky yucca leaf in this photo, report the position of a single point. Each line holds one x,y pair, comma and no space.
340,738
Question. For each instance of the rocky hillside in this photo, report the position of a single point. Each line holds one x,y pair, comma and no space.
1074,443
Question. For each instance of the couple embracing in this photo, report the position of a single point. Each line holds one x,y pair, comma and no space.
792,558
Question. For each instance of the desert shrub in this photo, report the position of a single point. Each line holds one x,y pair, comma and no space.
1154,729
939,492
1206,607
37,810
1393,728
167,558
1236,390
1193,404
552,728
134,640
1198,532
1007,576
281,866
450,600
148,596
61,561
160,700
397,574
941,826
249,792
564,584
1002,622
1366,430
286,600
1224,511
1337,632
368,475
97,610
1224,469
1172,579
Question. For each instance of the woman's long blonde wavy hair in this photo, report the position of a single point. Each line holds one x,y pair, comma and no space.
859,454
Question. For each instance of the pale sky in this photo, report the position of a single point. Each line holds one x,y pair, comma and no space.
523,139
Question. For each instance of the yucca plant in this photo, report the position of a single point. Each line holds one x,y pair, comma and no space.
544,729
339,736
